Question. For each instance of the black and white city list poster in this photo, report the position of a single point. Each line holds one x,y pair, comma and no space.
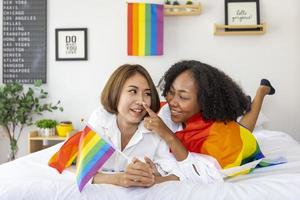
24,41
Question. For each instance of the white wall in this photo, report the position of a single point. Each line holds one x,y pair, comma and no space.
247,59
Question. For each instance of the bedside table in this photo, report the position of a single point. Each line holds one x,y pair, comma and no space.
35,142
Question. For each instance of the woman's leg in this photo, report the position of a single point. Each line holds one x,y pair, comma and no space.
250,118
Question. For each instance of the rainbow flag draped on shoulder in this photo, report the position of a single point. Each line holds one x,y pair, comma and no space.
89,149
229,143
145,29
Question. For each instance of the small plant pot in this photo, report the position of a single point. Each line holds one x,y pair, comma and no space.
46,132
176,3
64,128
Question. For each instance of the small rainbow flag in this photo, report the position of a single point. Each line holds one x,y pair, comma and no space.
66,154
91,151
145,29
94,151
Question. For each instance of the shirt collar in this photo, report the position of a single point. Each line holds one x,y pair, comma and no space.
138,135
110,124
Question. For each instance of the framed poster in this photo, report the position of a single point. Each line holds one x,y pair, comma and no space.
242,12
71,44
24,41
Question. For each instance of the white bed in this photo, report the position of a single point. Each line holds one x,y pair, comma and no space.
30,178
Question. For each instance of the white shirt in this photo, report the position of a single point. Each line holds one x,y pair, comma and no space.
146,143
143,143
205,165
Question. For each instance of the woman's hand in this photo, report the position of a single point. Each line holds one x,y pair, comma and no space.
137,174
158,177
152,165
155,124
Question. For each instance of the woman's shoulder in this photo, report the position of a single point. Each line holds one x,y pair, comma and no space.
100,117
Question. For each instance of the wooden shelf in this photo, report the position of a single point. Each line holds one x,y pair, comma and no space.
37,143
221,29
182,10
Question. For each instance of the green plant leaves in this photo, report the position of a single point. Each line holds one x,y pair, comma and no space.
46,123
18,105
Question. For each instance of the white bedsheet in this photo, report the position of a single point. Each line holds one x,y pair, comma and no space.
30,178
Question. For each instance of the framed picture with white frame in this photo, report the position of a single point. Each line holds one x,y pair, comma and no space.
71,44
242,12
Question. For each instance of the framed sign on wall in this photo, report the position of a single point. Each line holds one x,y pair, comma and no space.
242,12
71,44
24,41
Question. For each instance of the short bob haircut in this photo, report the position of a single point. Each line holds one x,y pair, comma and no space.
219,97
111,93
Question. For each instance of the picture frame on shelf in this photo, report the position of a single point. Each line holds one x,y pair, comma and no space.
71,44
242,12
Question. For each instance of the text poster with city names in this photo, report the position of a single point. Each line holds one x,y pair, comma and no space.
24,41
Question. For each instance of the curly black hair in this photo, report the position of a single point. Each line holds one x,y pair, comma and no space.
219,97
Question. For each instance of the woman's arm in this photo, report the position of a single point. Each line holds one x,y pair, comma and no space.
155,124
113,179
158,177
177,148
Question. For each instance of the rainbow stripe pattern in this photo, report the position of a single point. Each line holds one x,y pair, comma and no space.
145,29
94,151
229,143
91,151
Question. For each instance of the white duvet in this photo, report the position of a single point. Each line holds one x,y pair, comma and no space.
30,178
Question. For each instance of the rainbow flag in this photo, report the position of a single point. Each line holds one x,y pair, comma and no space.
145,29
91,151
94,151
229,143
233,146
66,154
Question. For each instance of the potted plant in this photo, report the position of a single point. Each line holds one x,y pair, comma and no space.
18,106
64,128
168,2
46,127
176,3
189,2
167,6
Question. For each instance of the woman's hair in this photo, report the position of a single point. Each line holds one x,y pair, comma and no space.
219,97
111,93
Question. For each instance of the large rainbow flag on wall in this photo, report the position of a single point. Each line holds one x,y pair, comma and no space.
91,151
145,29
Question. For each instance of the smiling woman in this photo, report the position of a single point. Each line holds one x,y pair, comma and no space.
203,105
125,98
112,91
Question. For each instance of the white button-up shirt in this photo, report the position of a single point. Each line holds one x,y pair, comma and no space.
143,143
195,163
194,168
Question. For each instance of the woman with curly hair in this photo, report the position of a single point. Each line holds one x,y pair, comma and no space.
203,105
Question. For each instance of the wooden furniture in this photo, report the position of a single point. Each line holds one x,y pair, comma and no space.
35,142
221,29
182,10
